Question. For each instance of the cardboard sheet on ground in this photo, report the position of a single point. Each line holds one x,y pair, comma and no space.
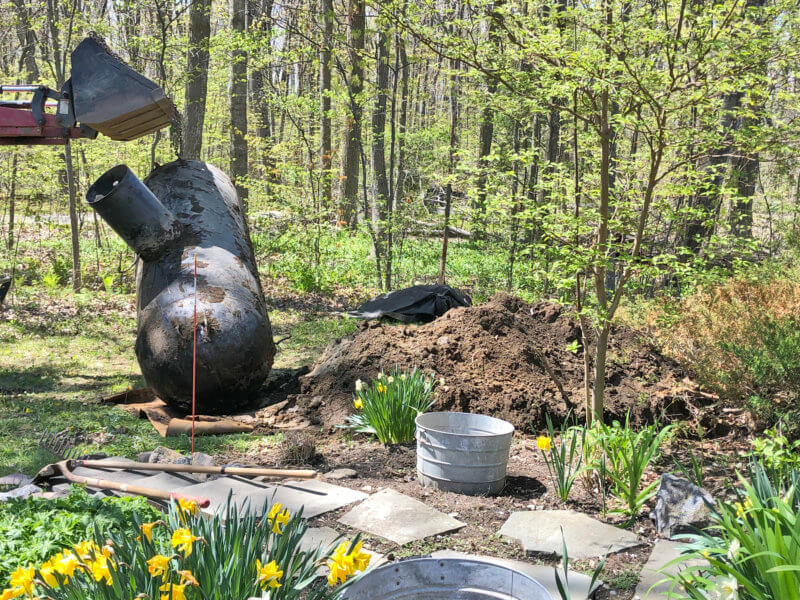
167,421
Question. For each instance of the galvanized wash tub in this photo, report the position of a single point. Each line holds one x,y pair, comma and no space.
445,578
462,452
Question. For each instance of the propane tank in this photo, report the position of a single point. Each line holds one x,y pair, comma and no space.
186,210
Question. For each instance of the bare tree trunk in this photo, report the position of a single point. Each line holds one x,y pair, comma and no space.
326,149
451,168
27,42
486,134
382,197
351,152
197,57
238,105
260,14
745,174
399,185
12,201
73,218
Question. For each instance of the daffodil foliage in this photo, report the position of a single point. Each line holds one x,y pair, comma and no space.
232,555
752,551
389,406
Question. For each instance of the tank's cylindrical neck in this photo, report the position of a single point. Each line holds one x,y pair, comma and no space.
131,209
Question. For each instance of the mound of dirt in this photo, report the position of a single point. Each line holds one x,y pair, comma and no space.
504,358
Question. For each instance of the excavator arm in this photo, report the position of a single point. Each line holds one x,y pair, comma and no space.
102,95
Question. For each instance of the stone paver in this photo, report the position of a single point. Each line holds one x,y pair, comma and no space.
326,538
167,482
249,495
578,583
314,496
539,531
651,579
398,518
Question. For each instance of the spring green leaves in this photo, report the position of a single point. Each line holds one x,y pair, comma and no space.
389,405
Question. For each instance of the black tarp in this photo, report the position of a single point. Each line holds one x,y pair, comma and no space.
417,303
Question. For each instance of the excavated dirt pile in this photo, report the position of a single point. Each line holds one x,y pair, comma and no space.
504,358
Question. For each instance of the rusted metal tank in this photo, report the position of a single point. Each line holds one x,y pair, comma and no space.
186,209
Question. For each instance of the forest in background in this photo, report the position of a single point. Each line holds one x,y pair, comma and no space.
585,151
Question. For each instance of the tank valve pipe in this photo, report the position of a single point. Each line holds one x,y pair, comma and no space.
131,209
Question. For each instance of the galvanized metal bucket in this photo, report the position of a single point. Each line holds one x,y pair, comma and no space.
462,452
445,578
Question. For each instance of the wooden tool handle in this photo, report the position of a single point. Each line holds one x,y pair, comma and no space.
170,468
105,484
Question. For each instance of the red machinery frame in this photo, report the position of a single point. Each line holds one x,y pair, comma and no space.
25,122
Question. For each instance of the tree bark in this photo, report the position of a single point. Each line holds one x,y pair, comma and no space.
260,15
486,133
326,150
238,106
351,146
12,202
27,42
451,164
197,57
381,195
73,218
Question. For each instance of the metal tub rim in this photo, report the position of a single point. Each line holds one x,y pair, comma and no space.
507,428
445,578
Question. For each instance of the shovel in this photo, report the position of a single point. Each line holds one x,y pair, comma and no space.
64,469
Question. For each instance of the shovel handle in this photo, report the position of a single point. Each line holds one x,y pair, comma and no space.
105,484
172,468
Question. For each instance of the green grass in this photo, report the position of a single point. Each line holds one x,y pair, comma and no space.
61,352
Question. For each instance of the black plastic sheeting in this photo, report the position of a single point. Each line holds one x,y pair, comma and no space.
417,303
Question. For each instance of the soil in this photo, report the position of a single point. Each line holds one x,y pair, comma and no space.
528,487
508,359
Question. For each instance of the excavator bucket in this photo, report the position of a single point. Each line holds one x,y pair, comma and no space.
112,98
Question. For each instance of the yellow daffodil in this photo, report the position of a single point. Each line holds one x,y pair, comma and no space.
269,575
176,591
46,571
358,404
9,593
278,516
189,506
380,387
360,559
85,549
182,539
23,578
65,563
187,578
544,443
345,561
158,565
147,530
100,568
742,508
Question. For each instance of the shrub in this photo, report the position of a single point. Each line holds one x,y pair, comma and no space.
187,556
741,340
388,407
34,528
752,550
